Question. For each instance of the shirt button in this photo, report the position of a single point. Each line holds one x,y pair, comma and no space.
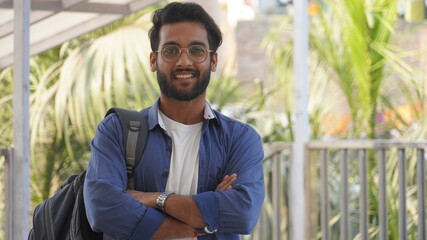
168,148
165,174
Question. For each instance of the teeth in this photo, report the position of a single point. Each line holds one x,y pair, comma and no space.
183,76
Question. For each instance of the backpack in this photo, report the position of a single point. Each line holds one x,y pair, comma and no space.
63,216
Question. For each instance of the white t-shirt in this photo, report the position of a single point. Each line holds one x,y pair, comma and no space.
184,166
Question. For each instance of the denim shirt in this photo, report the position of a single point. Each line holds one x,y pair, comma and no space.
227,146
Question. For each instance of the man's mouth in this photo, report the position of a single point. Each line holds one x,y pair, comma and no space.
183,76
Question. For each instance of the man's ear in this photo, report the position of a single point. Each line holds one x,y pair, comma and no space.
214,62
153,62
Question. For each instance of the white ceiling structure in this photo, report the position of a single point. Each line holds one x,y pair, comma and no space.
56,21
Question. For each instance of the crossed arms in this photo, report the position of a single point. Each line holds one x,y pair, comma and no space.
184,216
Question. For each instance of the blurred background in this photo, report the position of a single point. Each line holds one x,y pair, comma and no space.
367,93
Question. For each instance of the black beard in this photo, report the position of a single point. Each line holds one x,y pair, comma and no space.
171,92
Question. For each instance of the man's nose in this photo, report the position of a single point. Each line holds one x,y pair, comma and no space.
184,59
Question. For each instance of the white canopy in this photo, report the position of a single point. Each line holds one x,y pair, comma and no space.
56,21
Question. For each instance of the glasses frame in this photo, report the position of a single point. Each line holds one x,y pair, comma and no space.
187,51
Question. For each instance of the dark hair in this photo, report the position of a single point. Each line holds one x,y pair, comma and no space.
184,12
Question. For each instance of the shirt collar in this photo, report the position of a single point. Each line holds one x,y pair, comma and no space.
154,115
209,114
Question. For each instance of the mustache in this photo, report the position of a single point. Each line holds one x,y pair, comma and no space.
185,70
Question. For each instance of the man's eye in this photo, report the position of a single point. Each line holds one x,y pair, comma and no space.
171,51
197,50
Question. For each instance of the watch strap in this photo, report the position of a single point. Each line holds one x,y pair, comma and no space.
161,199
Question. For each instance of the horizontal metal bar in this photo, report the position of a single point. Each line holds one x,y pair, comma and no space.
272,149
365,144
81,7
4,151
85,6
7,28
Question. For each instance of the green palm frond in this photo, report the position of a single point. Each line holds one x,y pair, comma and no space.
112,70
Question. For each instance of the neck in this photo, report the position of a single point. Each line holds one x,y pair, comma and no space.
185,112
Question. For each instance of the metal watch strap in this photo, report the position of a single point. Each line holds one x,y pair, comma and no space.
161,199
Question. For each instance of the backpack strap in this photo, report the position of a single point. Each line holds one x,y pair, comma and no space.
135,131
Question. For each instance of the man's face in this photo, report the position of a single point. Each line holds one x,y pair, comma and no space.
183,80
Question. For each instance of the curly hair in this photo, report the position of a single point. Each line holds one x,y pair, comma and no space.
184,12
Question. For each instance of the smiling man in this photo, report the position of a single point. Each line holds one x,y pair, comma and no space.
201,174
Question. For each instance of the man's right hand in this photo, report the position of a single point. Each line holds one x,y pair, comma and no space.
227,182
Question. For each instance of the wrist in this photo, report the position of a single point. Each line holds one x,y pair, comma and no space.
161,200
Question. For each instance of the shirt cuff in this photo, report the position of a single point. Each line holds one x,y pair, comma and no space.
208,205
149,224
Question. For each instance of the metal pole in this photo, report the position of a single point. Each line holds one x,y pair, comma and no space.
298,216
18,212
421,194
324,196
344,197
363,203
382,203
277,192
402,195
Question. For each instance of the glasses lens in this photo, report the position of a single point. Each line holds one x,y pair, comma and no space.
170,53
198,53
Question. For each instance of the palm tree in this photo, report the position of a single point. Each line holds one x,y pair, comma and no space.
350,47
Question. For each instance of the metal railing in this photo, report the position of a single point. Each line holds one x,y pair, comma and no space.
273,222
355,189
378,171
5,158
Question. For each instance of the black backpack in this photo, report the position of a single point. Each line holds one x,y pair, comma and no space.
63,216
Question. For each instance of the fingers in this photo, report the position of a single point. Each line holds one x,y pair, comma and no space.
227,182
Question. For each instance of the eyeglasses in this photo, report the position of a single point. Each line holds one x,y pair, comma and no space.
171,53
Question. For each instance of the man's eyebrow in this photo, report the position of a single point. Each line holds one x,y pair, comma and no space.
171,43
197,43
191,43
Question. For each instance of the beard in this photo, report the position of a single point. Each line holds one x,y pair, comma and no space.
170,91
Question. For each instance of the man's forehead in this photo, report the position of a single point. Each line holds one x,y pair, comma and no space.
183,32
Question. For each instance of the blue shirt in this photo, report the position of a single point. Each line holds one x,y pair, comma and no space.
227,146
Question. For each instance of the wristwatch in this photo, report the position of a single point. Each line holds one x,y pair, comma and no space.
161,199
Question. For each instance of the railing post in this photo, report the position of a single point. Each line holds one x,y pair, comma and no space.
421,194
363,204
260,233
324,197
8,153
344,196
277,192
383,194
402,195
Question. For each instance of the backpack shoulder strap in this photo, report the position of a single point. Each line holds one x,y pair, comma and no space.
135,131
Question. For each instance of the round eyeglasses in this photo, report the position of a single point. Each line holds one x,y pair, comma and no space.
171,53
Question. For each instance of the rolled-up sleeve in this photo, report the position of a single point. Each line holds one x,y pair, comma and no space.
237,210
108,207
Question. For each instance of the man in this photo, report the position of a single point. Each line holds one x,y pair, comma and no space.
201,172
